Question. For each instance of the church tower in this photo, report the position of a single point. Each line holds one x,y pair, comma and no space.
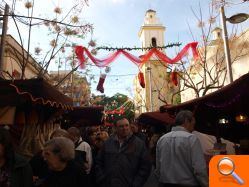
156,89
152,31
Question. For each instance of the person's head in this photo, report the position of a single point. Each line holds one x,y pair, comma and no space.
186,119
134,128
103,135
74,133
123,128
57,152
92,136
60,133
96,128
6,147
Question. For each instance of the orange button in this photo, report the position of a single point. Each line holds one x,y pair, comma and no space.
226,166
229,171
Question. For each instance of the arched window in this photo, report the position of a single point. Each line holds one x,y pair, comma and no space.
218,34
153,42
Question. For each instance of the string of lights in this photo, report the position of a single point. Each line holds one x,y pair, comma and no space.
138,48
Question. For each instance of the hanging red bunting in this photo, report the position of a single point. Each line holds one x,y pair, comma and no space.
116,111
174,75
100,86
141,79
82,51
174,78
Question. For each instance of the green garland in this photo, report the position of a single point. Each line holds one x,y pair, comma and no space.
138,48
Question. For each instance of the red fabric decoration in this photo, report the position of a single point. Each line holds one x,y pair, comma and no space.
100,86
16,74
173,77
81,51
141,79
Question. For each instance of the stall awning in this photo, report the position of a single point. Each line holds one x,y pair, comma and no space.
226,98
156,118
37,91
226,103
85,116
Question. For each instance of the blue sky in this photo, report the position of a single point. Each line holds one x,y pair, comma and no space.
117,22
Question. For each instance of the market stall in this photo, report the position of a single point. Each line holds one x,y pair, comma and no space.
223,113
30,109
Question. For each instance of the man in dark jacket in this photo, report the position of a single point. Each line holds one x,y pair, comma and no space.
124,160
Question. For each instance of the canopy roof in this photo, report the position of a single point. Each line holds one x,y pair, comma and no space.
156,118
226,103
37,91
84,116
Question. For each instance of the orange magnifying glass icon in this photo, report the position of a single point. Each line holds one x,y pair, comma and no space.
226,167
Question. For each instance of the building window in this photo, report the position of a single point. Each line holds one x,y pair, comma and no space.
151,16
153,42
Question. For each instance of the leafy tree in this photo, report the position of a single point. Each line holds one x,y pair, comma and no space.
116,107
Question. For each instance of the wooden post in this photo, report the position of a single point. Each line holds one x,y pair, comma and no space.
3,37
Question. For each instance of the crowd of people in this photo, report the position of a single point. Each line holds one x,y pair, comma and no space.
115,157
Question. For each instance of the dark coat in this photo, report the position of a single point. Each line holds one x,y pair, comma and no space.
39,166
125,166
21,172
71,176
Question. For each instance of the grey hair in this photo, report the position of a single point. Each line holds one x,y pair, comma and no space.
60,133
182,116
121,119
74,131
62,147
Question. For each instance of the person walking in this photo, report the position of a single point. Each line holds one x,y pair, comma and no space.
179,157
123,160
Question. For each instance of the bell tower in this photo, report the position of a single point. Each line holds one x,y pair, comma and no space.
151,34
152,31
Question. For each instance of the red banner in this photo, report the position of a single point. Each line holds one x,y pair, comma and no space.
82,51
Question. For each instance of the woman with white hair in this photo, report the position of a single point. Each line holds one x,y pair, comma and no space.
39,166
63,172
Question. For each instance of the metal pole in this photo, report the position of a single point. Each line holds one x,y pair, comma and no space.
151,99
226,45
3,37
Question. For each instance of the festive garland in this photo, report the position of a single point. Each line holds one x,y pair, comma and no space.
115,111
82,52
138,48
139,61
225,104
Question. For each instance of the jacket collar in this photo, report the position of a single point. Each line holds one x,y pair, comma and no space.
178,128
125,141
